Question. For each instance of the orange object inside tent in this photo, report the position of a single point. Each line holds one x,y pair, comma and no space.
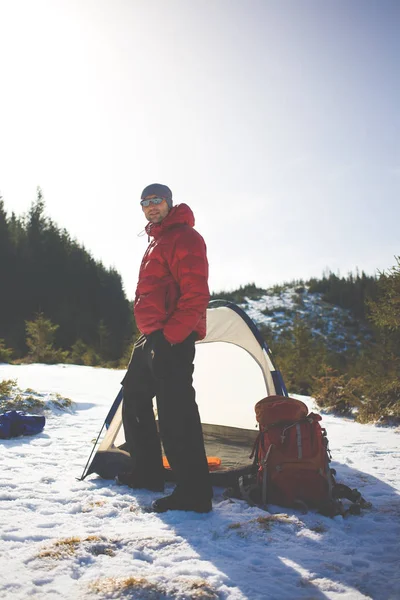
213,462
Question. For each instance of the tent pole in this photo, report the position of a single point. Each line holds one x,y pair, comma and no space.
82,477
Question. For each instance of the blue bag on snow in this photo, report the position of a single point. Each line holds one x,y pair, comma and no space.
15,422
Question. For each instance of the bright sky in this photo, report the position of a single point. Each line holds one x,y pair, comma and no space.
277,121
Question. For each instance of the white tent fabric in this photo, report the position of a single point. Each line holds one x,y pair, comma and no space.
226,325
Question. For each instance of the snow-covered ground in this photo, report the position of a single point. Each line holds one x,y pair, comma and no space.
64,539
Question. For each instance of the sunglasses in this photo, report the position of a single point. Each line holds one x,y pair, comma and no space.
151,201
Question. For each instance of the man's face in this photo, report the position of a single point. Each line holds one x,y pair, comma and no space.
155,213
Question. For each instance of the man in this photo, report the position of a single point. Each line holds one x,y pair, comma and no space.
170,311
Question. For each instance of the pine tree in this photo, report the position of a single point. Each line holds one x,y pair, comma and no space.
372,386
40,341
385,311
6,354
300,357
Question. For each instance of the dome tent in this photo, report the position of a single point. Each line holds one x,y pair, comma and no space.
233,370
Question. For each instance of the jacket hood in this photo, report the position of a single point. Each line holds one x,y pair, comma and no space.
181,214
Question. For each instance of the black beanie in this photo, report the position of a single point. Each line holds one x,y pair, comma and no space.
158,189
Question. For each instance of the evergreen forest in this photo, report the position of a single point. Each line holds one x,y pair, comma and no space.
57,303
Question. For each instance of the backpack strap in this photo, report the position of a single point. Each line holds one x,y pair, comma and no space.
341,491
255,448
264,483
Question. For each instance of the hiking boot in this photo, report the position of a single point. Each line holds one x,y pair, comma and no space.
179,501
135,481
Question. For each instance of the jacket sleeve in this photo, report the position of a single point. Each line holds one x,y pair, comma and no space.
189,267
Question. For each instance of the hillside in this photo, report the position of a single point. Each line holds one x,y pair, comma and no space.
337,339
277,309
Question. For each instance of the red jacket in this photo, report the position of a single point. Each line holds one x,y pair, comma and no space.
172,292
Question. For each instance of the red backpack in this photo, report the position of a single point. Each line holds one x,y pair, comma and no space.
292,458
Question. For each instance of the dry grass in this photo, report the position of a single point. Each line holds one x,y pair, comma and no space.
92,505
124,586
264,523
279,518
66,547
141,587
235,526
201,589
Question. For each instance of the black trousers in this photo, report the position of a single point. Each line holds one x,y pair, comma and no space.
166,372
